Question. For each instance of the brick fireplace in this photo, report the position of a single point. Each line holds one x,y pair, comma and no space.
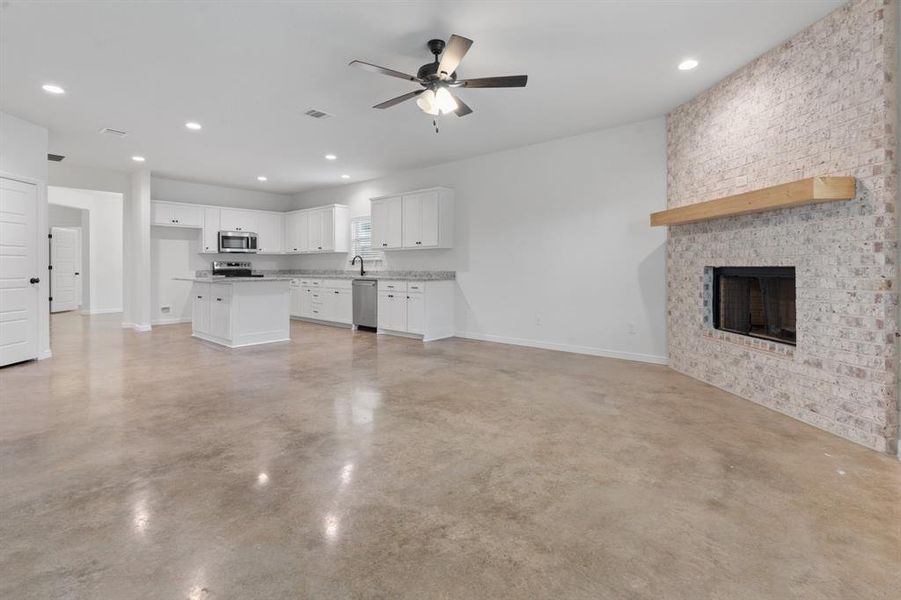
824,103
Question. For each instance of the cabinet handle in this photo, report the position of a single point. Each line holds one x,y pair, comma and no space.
337,292
200,297
390,296
320,247
419,242
383,244
218,299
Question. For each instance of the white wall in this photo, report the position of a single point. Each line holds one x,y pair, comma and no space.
201,193
23,155
552,242
105,260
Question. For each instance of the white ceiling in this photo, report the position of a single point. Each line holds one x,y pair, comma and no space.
248,70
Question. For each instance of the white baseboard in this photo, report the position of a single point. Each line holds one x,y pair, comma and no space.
172,321
45,354
590,350
136,327
100,311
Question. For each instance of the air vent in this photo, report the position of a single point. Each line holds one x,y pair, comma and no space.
55,157
317,114
113,132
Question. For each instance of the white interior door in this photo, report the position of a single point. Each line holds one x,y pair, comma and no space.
63,257
18,272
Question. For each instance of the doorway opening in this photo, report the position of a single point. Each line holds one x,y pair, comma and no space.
86,252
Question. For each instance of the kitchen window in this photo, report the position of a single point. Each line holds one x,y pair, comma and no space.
361,239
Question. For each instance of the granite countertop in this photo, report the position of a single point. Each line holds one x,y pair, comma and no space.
233,279
394,275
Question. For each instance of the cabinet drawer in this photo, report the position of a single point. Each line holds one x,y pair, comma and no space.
392,286
415,287
337,284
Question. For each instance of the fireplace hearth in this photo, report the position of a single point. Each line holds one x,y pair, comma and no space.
755,301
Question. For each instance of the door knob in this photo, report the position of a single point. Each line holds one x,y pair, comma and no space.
34,280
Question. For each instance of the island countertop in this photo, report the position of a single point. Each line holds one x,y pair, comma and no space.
232,279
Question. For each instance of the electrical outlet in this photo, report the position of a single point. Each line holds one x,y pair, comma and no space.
538,320
631,328
165,309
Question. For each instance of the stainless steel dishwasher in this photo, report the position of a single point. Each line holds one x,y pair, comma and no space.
366,304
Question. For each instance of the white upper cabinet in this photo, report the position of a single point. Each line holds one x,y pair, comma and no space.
312,230
210,230
297,234
324,229
270,233
387,223
176,214
421,219
235,219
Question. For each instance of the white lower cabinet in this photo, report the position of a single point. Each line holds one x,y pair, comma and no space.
220,311
200,308
415,313
420,308
329,300
392,310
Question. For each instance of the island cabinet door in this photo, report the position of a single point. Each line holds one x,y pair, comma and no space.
220,311
200,308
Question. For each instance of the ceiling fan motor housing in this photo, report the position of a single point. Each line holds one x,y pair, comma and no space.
429,71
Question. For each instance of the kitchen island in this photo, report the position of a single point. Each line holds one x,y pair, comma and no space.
240,311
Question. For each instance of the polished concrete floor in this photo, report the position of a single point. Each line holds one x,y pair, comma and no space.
347,465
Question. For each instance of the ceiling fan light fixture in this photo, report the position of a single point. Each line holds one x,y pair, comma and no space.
427,103
445,101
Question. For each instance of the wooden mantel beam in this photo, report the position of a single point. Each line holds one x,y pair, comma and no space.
786,195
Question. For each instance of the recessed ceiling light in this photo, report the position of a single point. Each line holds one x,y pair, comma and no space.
193,125
345,176
330,157
53,89
262,178
138,158
688,64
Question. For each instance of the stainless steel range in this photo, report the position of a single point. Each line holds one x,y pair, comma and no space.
233,268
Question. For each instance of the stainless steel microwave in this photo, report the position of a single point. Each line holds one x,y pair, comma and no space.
237,241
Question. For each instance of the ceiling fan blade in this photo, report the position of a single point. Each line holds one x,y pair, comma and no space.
496,82
398,100
456,49
462,108
382,70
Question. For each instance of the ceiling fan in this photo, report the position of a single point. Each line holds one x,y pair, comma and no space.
438,78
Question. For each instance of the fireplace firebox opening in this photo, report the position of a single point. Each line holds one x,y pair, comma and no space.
755,301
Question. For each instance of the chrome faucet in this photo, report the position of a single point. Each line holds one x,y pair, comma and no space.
354,261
